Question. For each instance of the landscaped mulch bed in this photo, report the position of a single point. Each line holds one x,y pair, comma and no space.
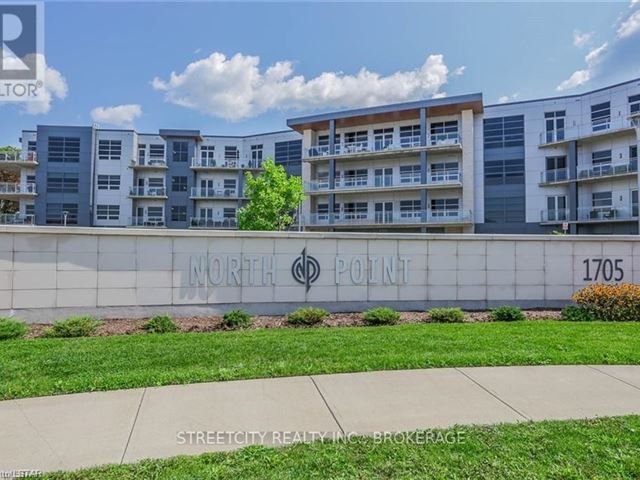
130,326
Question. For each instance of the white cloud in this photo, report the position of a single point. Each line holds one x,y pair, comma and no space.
508,98
630,26
577,78
460,70
594,56
119,115
633,2
55,86
439,95
580,39
236,88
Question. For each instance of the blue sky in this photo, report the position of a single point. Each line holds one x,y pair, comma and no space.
106,55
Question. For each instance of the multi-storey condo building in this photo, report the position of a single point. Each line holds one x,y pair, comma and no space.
177,178
447,164
454,165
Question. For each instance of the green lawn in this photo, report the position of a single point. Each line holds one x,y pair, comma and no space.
53,366
596,449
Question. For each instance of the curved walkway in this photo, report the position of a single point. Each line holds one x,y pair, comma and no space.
72,431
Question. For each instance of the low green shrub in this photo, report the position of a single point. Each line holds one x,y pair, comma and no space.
307,316
574,313
380,316
236,319
506,313
446,315
160,324
11,328
76,326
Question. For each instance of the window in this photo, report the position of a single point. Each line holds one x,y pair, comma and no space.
231,153
55,213
504,132
634,104
556,208
323,140
155,212
108,182
229,185
62,182
180,151
554,125
179,213
156,182
603,156
141,152
355,177
256,153
602,199
410,136
359,138
109,149
355,210
30,209
600,116
443,131
382,138
289,155
444,203
504,172
229,212
64,149
556,163
410,174
207,151
108,212
633,152
504,209
634,203
156,151
178,184
31,146
409,208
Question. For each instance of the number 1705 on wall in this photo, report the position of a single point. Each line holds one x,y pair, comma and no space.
607,269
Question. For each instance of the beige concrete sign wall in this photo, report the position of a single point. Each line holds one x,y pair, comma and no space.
49,272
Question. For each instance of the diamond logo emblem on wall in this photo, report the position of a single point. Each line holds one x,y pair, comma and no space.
305,269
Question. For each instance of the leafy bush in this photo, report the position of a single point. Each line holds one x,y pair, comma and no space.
307,316
612,303
160,324
446,315
380,316
506,313
10,328
573,313
76,326
236,319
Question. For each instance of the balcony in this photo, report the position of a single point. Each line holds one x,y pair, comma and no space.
148,192
607,170
224,164
214,193
148,221
559,215
584,132
224,224
445,177
607,214
444,141
17,190
152,163
17,219
409,181
416,217
559,175
17,160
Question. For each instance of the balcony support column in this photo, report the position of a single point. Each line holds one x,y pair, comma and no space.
332,167
636,124
572,203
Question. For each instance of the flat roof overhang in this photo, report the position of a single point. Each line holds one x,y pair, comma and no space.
389,113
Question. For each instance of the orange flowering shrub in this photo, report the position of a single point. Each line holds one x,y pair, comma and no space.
610,302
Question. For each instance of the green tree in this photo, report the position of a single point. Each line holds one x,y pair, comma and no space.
9,206
274,198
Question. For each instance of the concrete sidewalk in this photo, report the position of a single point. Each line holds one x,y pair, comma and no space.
72,431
